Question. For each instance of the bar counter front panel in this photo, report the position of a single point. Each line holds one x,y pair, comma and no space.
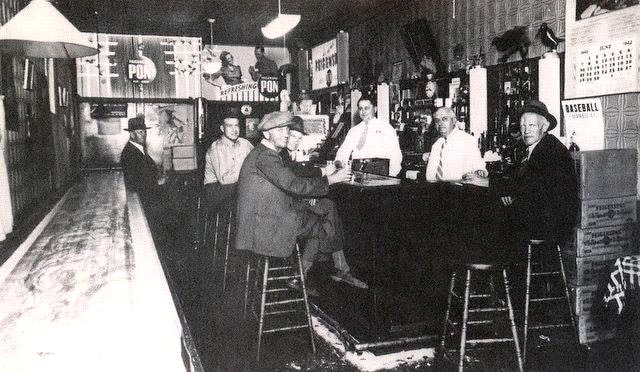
87,292
399,238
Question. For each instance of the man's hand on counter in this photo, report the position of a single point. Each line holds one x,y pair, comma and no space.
328,169
340,175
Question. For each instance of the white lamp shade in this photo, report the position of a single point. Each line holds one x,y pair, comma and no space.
282,24
211,67
40,30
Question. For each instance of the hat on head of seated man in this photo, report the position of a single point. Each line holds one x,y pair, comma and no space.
537,107
275,119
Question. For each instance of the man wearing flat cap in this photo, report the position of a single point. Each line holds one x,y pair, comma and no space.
324,208
268,222
545,198
140,171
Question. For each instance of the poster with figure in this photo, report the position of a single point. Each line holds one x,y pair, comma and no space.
584,121
602,55
238,69
324,64
172,125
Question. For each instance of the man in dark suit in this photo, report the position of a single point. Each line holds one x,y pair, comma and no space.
545,197
268,222
140,171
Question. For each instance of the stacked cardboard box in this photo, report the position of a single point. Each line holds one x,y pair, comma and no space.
607,188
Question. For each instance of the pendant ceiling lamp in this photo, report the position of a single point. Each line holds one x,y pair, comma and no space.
211,65
40,30
282,24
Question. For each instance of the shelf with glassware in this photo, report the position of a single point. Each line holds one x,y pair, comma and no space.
412,116
515,84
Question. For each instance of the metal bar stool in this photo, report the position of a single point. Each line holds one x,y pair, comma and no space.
548,268
276,299
476,315
229,214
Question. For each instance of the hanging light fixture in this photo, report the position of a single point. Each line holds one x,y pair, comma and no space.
40,30
211,65
282,24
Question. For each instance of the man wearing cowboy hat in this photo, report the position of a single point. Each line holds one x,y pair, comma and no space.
268,223
545,198
140,171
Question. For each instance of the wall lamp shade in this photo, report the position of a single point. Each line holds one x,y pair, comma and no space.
40,30
282,24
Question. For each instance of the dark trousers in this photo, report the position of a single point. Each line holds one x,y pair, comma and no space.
321,228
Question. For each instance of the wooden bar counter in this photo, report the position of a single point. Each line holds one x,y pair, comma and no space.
395,233
402,238
86,290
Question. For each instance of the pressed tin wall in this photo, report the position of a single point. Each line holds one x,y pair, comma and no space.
377,42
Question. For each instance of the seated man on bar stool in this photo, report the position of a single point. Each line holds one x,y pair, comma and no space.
268,222
324,208
222,168
544,195
455,155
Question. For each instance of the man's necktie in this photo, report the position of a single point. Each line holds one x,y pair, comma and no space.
363,137
439,171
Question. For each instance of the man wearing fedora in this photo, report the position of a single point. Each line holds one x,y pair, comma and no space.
268,222
140,171
544,197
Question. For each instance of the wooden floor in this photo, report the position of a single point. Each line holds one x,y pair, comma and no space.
226,342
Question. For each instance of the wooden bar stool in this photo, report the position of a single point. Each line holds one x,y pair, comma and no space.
227,214
278,302
551,265
477,291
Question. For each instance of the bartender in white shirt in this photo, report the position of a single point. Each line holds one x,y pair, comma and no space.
455,155
372,138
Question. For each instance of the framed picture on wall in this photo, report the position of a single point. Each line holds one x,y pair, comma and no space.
397,71
251,127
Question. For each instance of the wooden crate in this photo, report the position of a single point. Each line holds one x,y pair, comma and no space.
588,270
607,212
593,327
620,239
604,174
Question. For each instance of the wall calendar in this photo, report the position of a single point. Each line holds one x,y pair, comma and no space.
602,52
614,62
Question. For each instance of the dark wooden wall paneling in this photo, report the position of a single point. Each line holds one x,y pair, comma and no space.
33,164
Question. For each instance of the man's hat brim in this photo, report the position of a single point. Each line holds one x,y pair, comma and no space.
537,107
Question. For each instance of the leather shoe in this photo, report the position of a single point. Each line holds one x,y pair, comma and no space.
345,276
295,284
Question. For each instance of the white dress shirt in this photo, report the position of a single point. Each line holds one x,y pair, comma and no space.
138,146
460,155
381,142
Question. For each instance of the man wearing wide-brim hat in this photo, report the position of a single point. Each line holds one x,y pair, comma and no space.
545,197
268,223
140,171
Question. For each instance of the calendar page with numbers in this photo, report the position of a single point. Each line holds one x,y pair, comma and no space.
602,53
